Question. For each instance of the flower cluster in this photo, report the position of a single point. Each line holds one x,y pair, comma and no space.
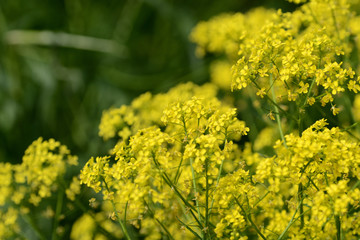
309,185
182,160
43,163
147,110
179,151
24,186
314,176
225,32
180,168
301,56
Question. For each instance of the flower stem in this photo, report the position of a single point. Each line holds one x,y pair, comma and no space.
123,225
206,229
37,230
290,223
193,179
338,227
59,204
277,115
195,188
248,217
218,176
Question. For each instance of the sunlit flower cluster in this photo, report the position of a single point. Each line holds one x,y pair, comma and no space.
24,186
184,164
179,164
154,167
314,176
147,110
301,56
43,163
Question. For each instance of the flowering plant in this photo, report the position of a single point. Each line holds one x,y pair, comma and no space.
183,164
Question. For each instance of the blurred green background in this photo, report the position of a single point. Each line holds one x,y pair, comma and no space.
62,62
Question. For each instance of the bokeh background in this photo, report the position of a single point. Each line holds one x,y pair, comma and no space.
62,62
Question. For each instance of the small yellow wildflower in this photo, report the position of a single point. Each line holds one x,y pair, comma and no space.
271,115
311,101
261,92
335,110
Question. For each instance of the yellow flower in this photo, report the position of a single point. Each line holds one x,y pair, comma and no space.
271,115
292,96
43,163
94,172
335,110
261,92
303,87
311,101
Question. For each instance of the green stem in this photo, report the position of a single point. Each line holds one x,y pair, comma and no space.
195,189
312,182
355,185
218,176
193,178
158,221
178,172
189,228
338,227
59,204
206,229
125,211
85,210
309,92
164,228
335,22
290,222
217,184
274,102
248,217
301,119
260,199
301,207
123,226
37,230
172,186
277,115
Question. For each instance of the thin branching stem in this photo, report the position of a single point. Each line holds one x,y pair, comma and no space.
276,109
158,221
193,178
248,217
293,219
206,229
123,225
59,204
